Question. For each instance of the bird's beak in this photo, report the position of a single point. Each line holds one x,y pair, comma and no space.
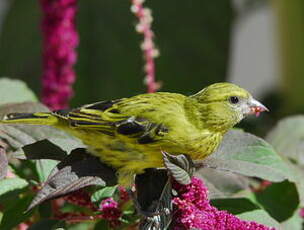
256,107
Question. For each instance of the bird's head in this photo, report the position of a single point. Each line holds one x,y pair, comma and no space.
222,105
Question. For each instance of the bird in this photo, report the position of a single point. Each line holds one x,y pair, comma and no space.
130,134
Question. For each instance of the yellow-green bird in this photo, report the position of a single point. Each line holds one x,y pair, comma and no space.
130,134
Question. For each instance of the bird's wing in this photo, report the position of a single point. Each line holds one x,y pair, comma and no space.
111,118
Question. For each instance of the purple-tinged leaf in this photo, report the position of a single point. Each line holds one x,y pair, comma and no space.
78,170
43,149
3,163
180,167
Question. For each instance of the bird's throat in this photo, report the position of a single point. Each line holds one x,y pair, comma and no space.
211,116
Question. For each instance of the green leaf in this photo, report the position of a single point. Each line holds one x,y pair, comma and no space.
280,200
13,91
222,184
103,224
45,210
103,193
16,214
260,216
47,224
293,223
298,172
11,184
26,169
44,168
235,205
287,137
80,226
248,155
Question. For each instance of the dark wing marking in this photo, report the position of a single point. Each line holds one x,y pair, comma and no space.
131,126
93,112
63,113
114,111
17,116
146,132
154,133
102,105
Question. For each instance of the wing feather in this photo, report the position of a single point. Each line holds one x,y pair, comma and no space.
106,117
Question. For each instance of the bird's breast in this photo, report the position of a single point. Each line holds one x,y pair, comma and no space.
205,146
196,143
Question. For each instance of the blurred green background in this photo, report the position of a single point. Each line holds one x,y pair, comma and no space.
257,44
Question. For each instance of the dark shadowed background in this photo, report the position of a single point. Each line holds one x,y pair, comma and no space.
258,44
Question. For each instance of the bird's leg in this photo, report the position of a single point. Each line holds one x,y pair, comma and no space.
132,195
151,186
139,210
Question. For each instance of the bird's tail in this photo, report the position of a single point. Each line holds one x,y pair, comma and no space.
30,118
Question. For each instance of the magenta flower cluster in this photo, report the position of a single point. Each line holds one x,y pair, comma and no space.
59,55
193,210
110,211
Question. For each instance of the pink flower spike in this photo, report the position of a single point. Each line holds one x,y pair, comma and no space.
143,27
59,55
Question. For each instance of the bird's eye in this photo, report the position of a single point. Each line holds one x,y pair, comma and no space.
234,100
